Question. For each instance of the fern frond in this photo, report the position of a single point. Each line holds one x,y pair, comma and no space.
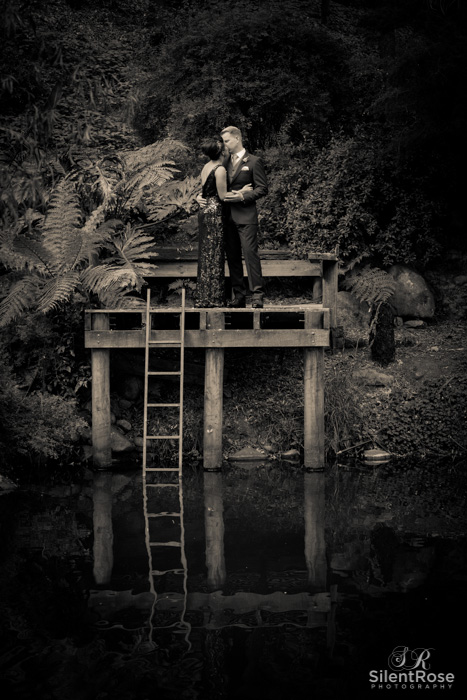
120,299
148,168
173,196
23,252
58,290
101,278
63,218
21,297
132,245
370,284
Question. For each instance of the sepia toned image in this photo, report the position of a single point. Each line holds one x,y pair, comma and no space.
233,396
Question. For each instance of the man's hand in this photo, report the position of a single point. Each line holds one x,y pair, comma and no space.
233,197
237,195
201,201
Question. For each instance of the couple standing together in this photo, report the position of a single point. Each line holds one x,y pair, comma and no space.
232,181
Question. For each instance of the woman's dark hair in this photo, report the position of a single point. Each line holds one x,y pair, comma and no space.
212,148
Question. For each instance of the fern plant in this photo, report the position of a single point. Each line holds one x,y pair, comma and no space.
51,257
48,266
371,285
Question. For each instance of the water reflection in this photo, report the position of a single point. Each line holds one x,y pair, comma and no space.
255,618
247,598
214,528
102,526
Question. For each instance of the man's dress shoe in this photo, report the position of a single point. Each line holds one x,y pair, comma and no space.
237,303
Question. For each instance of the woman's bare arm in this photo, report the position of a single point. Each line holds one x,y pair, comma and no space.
221,182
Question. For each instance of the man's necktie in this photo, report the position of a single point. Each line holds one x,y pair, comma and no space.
234,160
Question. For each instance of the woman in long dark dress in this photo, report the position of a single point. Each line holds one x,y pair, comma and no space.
211,260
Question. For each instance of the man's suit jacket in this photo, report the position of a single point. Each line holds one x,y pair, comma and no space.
249,170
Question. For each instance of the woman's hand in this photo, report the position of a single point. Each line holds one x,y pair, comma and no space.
246,188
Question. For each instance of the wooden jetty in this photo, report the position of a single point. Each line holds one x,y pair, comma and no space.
307,325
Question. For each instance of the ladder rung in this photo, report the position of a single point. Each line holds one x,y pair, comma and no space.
165,544
166,405
157,572
163,374
162,469
164,514
162,437
162,486
172,312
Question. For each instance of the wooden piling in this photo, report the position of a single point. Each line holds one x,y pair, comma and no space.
315,545
313,400
102,527
214,529
330,285
100,368
213,397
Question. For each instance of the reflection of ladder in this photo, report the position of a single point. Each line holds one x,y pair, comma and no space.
164,477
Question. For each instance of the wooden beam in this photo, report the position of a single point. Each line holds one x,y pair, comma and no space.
270,268
213,395
264,338
100,372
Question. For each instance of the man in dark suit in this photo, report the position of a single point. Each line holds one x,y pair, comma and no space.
244,172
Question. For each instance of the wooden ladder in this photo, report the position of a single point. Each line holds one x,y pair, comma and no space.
150,515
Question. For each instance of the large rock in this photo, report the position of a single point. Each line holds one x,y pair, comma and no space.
131,388
119,442
412,297
351,313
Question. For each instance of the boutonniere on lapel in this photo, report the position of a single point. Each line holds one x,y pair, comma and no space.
245,160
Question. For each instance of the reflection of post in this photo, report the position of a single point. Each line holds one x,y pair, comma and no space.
100,368
213,401
214,526
102,522
315,545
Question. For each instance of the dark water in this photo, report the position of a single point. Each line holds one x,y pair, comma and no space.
268,596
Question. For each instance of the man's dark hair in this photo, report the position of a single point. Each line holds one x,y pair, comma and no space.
212,148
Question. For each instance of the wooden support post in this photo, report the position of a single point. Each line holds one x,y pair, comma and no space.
213,397
313,401
102,527
100,369
214,528
317,290
330,281
315,544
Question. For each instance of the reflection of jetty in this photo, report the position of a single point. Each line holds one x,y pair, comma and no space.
215,610
307,326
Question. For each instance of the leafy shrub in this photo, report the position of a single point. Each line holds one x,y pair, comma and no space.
350,199
429,422
36,427
46,352
267,70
